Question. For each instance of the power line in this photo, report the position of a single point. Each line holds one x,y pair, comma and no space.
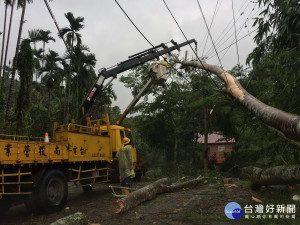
149,41
237,49
206,36
234,43
210,36
223,33
240,28
133,23
191,46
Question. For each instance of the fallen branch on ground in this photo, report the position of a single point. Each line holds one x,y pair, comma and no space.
150,191
271,176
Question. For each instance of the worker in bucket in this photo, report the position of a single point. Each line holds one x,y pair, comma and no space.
125,158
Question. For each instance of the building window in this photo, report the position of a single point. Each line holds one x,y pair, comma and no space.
221,148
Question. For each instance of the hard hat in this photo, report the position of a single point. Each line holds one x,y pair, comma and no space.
126,140
165,57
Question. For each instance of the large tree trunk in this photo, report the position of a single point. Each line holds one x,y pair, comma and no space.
15,61
150,191
289,174
7,44
284,123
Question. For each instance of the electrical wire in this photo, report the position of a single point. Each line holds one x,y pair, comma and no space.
223,33
240,28
206,36
133,23
180,74
237,49
238,34
211,37
224,49
192,48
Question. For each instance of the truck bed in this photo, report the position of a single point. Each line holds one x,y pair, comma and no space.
75,147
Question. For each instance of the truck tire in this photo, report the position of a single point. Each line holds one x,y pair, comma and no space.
53,191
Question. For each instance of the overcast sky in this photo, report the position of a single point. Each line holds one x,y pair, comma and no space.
112,38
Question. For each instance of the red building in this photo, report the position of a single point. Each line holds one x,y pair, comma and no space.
217,144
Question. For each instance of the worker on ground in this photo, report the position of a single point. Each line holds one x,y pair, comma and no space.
125,158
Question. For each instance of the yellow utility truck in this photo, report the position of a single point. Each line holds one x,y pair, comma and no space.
37,170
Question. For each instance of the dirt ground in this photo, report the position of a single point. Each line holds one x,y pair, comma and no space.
203,204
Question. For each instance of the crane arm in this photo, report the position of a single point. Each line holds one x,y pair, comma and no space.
133,61
158,74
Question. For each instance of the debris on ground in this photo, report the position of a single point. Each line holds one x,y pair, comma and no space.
75,219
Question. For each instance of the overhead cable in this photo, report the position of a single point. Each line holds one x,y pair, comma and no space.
206,36
237,49
226,48
192,48
212,41
223,33
149,41
211,51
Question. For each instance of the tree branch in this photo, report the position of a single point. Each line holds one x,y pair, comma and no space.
286,123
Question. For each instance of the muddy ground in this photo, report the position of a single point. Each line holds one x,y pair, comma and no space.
203,204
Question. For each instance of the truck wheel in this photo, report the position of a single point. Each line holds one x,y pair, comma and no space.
53,191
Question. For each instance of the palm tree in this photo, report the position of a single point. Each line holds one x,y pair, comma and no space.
44,36
34,36
25,69
7,3
52,77
7,44
22,4
84,64
37,57
71,34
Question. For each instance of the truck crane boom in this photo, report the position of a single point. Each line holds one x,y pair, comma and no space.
158,74
133,61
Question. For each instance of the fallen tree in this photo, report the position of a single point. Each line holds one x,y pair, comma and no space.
289,174
284,123
150,191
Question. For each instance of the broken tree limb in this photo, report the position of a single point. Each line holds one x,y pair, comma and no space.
150,191
271,176
286,124
146,193
186,184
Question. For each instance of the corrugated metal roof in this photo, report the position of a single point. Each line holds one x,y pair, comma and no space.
215,139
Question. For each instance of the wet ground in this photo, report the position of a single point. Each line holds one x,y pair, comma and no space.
203,204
